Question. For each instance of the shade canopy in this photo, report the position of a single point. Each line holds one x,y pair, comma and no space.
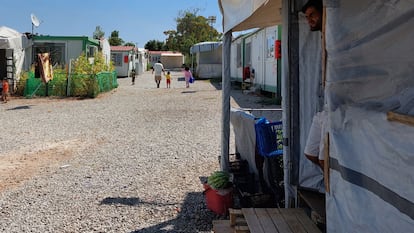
240,15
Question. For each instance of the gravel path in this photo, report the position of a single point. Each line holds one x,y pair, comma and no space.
127,161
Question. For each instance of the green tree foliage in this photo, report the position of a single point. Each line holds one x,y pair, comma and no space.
191,29
98,33
82,64
114,40
129,44
155,45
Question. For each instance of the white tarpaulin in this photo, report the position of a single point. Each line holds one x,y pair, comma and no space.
245,137
239,15
18,42
369,73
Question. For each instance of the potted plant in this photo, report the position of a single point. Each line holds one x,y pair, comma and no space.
219,192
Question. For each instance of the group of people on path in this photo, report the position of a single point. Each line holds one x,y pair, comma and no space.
158,70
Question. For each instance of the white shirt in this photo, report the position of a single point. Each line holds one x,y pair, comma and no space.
158,68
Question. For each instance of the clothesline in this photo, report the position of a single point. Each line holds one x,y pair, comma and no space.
260,109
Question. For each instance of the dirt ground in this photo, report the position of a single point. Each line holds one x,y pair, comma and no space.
20,165
24,163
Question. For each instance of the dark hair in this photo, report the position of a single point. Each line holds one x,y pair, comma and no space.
315,3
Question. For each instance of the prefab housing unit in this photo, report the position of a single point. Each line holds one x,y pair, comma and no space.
169,59
140,61
172,60
124,59
153,57
62,48
258,51
208,59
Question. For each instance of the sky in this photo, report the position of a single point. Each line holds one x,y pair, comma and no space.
137,21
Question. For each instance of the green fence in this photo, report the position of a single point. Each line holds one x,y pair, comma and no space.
80,85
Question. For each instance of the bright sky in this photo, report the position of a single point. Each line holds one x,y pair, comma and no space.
137,21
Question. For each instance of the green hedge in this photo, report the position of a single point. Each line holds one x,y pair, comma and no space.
80,85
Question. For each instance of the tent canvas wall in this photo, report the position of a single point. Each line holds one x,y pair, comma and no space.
368,74
12,45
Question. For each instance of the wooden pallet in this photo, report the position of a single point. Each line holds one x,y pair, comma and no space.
266,220
316,202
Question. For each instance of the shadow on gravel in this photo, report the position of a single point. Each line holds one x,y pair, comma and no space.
247,99
20,107
193,217
188,92
131,201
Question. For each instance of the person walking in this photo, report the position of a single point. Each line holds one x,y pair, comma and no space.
187,76
133,76
168,79
158,68
5,92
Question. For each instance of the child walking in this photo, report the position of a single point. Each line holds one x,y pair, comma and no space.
187,76
5,93
168,79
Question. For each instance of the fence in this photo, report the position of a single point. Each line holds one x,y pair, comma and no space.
76,85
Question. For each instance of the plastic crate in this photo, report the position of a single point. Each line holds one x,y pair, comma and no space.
269,137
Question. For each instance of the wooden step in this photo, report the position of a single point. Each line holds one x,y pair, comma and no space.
222,226
264,220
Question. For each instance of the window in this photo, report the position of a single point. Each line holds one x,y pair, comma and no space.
270,47
91,51
116,59
248,54
56,51
239,63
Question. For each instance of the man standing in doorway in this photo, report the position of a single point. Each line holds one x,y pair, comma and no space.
315,143
158,68
313,13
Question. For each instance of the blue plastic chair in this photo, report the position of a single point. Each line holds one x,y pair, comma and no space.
269,137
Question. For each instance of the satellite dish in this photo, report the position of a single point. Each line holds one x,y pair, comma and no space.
35,20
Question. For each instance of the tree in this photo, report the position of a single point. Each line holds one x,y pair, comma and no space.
98,33
155,45
114,40
191,29
129,44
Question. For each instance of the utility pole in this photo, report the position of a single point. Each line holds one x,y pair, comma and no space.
211,20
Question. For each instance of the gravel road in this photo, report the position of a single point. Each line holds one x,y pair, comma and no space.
129,160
